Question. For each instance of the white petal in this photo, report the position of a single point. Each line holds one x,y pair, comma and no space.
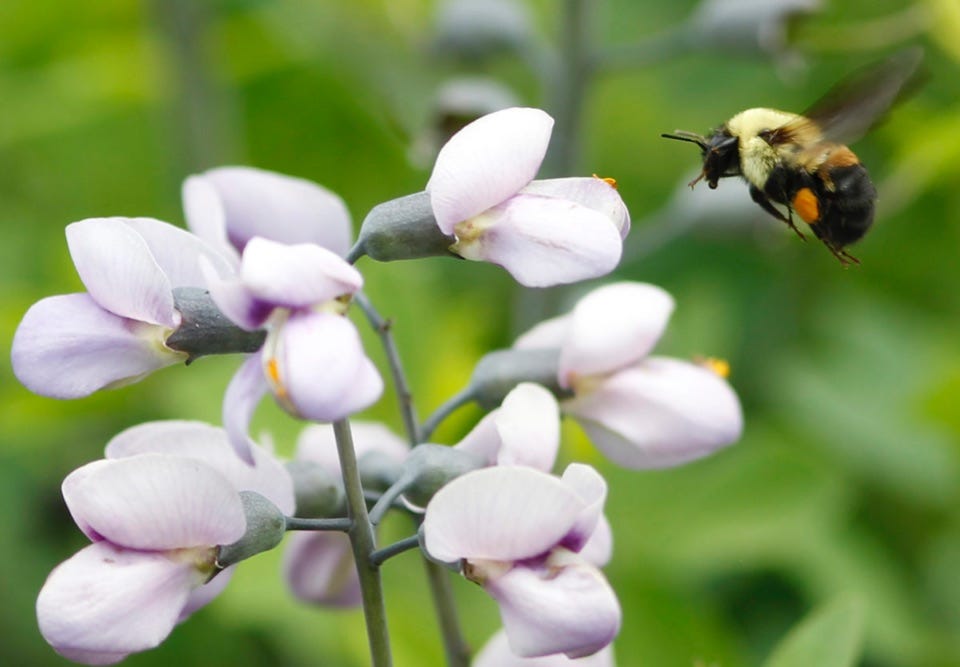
659,413
592,192
178,252
155,502
68,346
205,215
244,393
296,276
281,208
529,426
612,327
496,653
206,593
106,602
502,513
542,241
483,440
119,271
592,489
318,444
319,568
210,445
547,335
486,162
566,607
234,300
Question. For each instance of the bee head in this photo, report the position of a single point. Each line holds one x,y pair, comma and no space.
720,151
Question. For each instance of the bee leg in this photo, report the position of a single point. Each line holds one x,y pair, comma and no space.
764,202
846,259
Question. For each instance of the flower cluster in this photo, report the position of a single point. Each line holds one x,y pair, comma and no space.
267,270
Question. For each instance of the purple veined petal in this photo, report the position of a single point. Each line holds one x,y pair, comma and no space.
107,602
496,653
565,606
234,300
587,483
318,444
244,393
205,215
659,413
206,593
542,241
503,513
67,346
528,422
592,192
296,276
483,440
612,327
487,162
178,252
319,568
319,371
119,271
154,502
599,548
210,445
282,208
546,335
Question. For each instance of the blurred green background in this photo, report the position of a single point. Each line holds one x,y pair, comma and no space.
846,480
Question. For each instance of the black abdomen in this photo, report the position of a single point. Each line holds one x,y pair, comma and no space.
846,212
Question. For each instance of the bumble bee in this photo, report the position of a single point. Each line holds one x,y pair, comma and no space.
801,160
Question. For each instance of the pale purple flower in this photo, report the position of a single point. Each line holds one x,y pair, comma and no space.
72,345
524,430
156,511
641,411
318,566
521,533
496,653
543,232
312,359
228,206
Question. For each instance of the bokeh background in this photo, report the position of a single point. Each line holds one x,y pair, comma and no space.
846,480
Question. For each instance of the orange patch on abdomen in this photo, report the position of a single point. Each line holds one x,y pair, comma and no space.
806,205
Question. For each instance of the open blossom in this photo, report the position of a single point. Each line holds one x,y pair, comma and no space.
156,510
543,232
641,411
525,536
72,345
228,206
312,359
496,653
318,566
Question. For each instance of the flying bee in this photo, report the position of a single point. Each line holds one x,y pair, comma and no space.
801,160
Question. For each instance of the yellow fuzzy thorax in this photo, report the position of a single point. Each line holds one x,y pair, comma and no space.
757,157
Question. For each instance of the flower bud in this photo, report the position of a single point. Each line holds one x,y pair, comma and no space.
403,228
265,528
205,330
475,29
378,470
498,372
319,494
751,26
429,467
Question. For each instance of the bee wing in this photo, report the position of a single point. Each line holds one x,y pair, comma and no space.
853,106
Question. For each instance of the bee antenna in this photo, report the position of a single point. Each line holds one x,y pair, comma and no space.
691,137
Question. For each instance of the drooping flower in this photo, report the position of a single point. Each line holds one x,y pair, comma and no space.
522,534
72,345
641,411
312,360
156,510
318,566
543,232
228,206
496,653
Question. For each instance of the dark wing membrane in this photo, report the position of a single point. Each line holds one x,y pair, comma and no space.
853,106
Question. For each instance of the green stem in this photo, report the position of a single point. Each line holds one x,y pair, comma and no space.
299,523
391,550
404,395
364,543
454,645
453,404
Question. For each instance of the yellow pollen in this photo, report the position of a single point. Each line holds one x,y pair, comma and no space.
719,366
273,370
612,182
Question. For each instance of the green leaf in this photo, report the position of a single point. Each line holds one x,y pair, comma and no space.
829,637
